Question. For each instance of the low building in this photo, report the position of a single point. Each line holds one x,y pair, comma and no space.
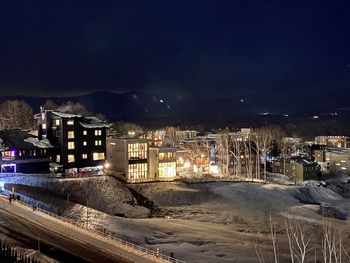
129,158
333,141
333,160
156,138
299,168
23,153
184,162
186,134
162,163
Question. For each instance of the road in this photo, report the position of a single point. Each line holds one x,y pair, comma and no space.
56,246
64,241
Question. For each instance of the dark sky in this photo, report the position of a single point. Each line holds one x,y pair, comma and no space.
182,47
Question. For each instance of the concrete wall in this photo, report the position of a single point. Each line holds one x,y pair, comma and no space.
153,161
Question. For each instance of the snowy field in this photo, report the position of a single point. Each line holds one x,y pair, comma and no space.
204,222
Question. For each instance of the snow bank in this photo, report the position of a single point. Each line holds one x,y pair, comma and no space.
328,210
279,179
317,195
103,193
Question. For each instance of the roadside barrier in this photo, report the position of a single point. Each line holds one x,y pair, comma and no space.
105,233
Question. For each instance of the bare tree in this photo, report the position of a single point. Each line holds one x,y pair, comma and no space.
122,129
265,138
171,137
333,249
15,114
274,240
50,105
299,243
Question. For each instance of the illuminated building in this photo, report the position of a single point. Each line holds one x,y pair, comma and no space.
129,158
334,160
333,141
299,168
79,143
156,138
23,153
162,163
186,135
184,163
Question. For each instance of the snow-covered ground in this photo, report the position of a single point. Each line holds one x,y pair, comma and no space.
204,222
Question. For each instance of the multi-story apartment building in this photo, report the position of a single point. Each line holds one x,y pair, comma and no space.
129,158
79,143
298,168
162,163
333,141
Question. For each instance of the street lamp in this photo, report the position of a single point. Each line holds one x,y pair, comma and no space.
106,167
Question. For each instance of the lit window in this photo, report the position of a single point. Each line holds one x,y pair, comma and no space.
98,156
167,170
161,156
70,122
57,122
137,171
98,132
98,142
71,135
84,143
84,132
8,154
71,146
84,156
44,126
137,151
71,158
58,158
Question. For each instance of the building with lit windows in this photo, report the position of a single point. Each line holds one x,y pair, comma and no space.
334,160
186,134
129,158
333,141
162,163
21,152
184,163
298,168
156,138
79,143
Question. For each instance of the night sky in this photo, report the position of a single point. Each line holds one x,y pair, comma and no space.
219,48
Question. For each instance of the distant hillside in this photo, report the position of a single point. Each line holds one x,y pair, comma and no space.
253,109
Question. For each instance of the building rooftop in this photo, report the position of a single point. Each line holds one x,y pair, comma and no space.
19,139
93,122
66,115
